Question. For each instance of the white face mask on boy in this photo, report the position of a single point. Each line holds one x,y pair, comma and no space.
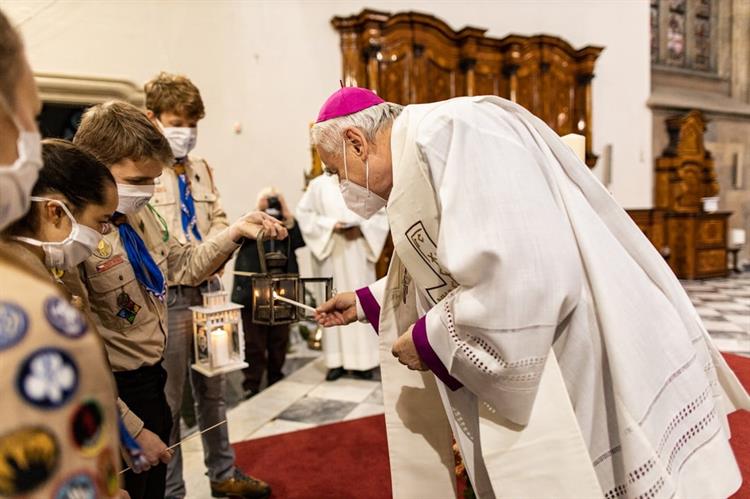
133,197
181,139
361,200
74,249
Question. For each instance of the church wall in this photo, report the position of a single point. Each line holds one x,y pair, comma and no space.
267,66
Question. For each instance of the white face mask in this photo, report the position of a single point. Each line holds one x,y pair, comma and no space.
18,179
361,200
181,139
74,249
133,197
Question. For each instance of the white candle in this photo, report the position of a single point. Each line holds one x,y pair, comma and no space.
737,237
219,348
577,143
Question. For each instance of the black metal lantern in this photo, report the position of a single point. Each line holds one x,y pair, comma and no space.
273,283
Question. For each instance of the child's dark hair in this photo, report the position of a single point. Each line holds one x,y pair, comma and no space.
70,171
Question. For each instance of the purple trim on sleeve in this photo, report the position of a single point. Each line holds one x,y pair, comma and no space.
429,357
370,307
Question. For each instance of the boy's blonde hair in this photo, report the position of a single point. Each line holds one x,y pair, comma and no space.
116,130
173,93
11,53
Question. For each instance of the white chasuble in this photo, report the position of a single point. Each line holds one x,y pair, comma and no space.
350,263
568,358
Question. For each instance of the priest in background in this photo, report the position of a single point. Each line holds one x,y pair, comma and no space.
537,322
345,246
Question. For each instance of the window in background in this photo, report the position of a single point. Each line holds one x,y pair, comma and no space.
683,34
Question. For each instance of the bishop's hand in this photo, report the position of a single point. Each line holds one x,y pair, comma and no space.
338,311
250,225
406,352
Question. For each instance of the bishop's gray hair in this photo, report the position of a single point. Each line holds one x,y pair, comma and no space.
328,134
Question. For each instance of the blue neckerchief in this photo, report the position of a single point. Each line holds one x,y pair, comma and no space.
187,209
146,271
132,447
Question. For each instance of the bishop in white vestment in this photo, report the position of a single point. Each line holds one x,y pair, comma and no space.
567,358
345,246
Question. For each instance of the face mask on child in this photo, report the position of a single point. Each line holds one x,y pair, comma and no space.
74,249
133,197
181,139
17,180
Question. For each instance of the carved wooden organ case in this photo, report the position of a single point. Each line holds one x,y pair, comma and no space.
412,58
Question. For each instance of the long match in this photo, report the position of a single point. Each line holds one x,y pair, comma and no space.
292,302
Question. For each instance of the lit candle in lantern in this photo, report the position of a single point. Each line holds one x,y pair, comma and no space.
219,347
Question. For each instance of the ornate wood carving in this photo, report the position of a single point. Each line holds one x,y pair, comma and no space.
685,172
410,58
696,241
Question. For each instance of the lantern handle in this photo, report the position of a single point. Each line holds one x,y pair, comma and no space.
259,240
261,251
213,278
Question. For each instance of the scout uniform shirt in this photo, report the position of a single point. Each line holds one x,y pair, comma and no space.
210,217
132,321
59,433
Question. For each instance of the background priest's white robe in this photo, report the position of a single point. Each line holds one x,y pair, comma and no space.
516,259
350,263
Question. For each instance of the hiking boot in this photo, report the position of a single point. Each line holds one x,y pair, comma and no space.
240,485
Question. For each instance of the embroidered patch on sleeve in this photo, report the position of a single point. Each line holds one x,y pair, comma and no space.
13,324
29,457
48,378
78,486
64,317
87,427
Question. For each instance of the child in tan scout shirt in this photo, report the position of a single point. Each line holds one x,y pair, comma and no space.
187,198
125,281
58,434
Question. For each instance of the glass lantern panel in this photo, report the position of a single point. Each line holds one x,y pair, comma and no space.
286,288
201,344
262,299
315,290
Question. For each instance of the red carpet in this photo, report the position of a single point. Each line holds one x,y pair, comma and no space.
740,424
350,460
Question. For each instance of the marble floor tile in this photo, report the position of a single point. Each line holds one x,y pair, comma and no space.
732,345
721,327
741,320
731,307
365,410
707,312
349,390
376,397
279,426
317,410
711,296
248,417
312,374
